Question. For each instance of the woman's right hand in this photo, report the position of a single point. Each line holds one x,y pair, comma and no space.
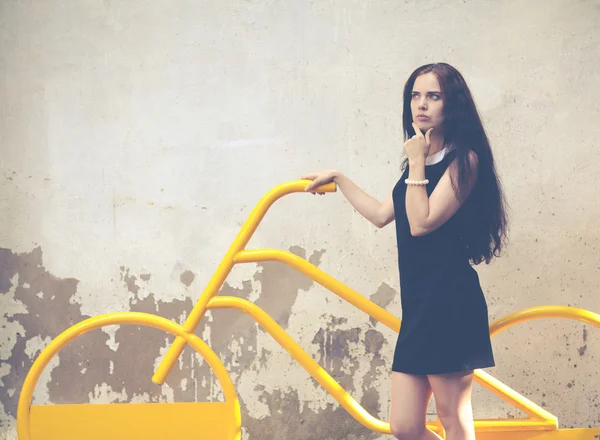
320,178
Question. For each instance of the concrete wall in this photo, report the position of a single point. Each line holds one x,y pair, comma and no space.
135,140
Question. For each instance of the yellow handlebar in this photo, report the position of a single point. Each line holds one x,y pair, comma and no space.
217,280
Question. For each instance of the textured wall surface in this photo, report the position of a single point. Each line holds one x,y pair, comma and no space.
135,139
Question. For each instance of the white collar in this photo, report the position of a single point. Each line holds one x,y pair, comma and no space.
439,156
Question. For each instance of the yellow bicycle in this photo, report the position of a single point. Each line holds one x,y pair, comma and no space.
223,420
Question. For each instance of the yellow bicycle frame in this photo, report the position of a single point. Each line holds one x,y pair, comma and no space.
540,423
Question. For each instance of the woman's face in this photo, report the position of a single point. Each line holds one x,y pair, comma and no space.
427,104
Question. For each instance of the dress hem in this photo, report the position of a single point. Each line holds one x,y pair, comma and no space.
444,371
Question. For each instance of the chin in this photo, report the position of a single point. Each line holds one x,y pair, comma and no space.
426,125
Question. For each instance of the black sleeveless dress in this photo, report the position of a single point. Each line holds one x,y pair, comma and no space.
444,313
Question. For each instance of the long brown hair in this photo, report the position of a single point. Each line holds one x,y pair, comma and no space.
484,211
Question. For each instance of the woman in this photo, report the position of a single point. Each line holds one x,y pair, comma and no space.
449,212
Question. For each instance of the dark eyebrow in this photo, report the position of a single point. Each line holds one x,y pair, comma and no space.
432,91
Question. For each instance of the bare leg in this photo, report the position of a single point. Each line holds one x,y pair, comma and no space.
453,403
410,397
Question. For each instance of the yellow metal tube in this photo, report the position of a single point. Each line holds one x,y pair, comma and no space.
309,364
507,425
509,395
23,411
543,419
541,312
224,268
534,411
324,279
545,422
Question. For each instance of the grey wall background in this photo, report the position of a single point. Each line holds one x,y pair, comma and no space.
135,139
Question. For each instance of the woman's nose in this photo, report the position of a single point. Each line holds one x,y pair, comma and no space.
422,104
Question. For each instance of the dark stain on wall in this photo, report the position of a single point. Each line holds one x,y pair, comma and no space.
48,315
374,344
129,280
88,361
383,297
583,348
334,349
187,277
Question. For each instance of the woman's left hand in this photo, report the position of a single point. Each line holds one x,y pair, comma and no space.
417,147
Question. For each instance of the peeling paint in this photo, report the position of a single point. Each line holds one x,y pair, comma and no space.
111,331
95,188
290,419
35,345
41,394
4,371
11,329
383,297
115,365
45,317
129,280
103,393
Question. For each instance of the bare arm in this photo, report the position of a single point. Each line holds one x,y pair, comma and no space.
426,214
378,213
